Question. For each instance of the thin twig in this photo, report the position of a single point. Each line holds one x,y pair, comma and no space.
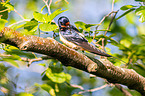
102,22
35,59
77,86
125,92
4,10
113,6
19,14
5,55
103,47
96,43
111,22
105,18
48,5
95,89
19,22
113,17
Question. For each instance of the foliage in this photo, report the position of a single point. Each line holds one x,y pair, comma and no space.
57,80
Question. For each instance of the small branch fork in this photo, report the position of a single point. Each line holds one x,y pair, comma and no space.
95,89
30,61
107,28
48,5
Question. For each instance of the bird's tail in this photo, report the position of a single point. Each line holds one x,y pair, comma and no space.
94,50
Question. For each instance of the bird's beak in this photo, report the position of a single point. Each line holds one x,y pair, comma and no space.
67,24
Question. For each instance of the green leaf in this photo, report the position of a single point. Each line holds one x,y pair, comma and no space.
89,38
45,18
2,23
126,7
55,13
125,42
90,25
76,95
84,26
9,6
47,27
4,14
68,77
41,17
8,1
141,12
43,8
107,39
15,51
31,26
125,13
140,0
47,88
24,94
13,57
11,62
112,35
57,77
131,18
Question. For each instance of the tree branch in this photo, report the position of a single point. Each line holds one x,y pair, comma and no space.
70,57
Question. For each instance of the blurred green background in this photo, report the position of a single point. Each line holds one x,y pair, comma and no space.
128,32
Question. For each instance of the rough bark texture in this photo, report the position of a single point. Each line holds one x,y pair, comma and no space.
70,57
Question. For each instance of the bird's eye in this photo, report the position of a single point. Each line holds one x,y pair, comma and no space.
61,23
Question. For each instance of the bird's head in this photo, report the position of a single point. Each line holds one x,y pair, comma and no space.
63,22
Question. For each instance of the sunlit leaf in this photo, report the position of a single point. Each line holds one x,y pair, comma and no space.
140,0
15,51
24,94
43,8
47,88
31,26
128,11
89,38
112,35
45,17
47,27
41,17
56,87
90,25
57,77
126,7
107,39
141,12
9,6
11,62
2,23
131,18
7,1
4,13
125,42
141,30
83,25
13,57
55,13
76,95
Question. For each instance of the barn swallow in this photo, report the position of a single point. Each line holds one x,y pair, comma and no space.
71,36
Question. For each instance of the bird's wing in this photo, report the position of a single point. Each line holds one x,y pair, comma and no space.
77,39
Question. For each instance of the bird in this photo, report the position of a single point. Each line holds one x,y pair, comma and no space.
72,37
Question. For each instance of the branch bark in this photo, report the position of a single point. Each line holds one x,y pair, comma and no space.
69,57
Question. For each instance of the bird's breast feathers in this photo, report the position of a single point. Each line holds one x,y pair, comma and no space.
68,43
